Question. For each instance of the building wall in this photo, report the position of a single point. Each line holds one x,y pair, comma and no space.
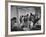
13,12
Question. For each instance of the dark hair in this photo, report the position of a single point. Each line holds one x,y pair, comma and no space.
14,18
27,14
22,15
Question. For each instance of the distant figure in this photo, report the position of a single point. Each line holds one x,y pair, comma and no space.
13,21
30,17
25,19
20,19
36,20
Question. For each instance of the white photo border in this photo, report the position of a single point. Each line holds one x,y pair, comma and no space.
24,32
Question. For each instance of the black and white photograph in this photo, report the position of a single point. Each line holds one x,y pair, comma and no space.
25,18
